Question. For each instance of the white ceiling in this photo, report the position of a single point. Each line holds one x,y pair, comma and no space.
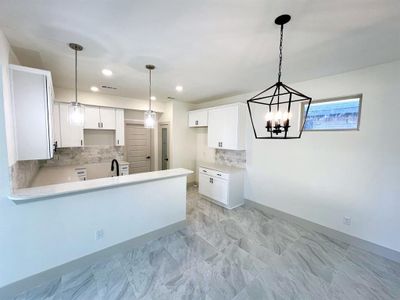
214,48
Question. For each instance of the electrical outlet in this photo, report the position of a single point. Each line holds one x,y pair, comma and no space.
347,221
99,234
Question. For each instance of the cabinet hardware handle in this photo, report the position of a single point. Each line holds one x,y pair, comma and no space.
81,142
117,142
98,124
197,122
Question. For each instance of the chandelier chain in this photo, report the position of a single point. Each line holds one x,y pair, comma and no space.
280,55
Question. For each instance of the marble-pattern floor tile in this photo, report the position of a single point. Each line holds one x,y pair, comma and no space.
79,284
237,254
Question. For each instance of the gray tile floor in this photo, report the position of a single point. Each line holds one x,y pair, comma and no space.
237,254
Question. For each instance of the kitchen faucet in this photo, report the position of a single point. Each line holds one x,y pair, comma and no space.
112,166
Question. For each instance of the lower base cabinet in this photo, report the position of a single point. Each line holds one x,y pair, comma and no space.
225,189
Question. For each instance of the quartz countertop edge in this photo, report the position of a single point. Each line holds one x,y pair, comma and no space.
219,167
49,191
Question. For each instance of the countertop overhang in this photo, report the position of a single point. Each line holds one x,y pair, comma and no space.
54,190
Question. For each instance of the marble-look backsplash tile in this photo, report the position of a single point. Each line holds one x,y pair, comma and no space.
23,172
232,158
84,155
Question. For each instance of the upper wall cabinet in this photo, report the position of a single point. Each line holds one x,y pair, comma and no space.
99,117
226,126
32,96
198,118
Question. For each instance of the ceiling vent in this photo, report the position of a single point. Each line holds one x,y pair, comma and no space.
108,87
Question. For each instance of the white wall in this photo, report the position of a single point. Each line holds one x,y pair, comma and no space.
325,176
6,57
183,139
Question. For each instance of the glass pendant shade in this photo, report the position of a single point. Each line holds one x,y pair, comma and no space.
149,119
76,114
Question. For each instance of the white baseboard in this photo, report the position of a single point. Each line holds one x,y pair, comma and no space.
352,240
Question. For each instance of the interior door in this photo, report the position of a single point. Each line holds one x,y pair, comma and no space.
164,146
137,141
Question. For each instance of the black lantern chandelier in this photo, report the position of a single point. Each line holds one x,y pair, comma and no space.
279,112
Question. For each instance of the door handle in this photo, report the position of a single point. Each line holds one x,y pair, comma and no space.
166,159
148,157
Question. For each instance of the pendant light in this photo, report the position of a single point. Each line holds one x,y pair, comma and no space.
75,109
149,115
279,112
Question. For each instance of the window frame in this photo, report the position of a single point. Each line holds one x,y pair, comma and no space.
359,96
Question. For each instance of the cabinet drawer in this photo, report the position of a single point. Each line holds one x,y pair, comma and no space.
213,173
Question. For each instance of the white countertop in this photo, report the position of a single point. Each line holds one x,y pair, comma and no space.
220,168
95,184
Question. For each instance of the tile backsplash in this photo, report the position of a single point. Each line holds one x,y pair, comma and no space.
84,155
23,172
232,158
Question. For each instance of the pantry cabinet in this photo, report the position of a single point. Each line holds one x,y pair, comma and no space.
198,118
99,117
226,126
32,100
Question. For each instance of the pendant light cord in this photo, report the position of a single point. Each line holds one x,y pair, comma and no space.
280,55
150,90
76,75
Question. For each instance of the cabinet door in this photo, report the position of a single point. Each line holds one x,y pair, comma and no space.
198,118
220,190
229,128
119,127
31,105
71,135
92,117
205,186
216,127
56,124
107,118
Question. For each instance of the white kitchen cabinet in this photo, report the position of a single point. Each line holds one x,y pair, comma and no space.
226,126
222,187
107,117
92,117
198,118
119,127
32,98
99,117
56,125
71,135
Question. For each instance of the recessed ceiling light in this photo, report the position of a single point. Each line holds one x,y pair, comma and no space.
153,98
94,88
179,88
106,72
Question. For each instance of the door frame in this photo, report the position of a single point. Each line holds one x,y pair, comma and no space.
160,125
139,122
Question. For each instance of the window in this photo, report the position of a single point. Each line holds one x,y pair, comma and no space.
333,114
